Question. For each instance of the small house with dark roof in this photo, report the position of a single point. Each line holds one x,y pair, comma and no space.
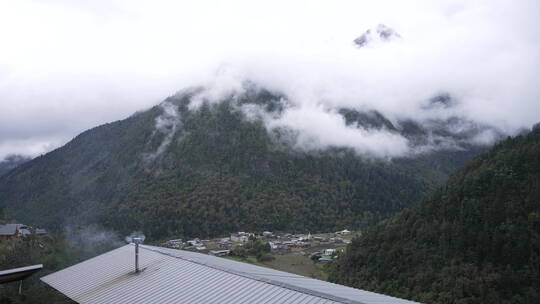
11,230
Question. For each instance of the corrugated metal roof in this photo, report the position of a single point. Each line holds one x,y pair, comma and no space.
177,276
9,229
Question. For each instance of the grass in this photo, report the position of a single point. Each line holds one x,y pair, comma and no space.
293,263
298,264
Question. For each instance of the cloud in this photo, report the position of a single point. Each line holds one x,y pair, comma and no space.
66,66
167,124
32,146
319,129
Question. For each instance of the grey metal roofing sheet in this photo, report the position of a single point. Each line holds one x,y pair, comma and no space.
17,274
9,229
177,276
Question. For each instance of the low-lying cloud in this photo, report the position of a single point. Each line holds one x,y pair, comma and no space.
66,66
320,129
166,124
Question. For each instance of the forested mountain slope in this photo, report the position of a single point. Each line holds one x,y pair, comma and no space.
475,240
10,162
174,170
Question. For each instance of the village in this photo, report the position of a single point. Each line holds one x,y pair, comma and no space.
319,247
304,254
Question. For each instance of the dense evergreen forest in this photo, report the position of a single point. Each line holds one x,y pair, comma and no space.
475,240
179,171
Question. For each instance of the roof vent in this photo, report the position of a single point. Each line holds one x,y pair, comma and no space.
136,238
137,241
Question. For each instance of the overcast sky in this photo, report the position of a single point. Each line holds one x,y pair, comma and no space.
66,66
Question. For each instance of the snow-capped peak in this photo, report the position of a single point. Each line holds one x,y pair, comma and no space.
380,33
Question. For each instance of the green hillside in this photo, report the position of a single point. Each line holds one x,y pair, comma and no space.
209,171
476,240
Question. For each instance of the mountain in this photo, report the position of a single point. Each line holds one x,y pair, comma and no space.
450,133
12,161
475,240
189,167
381,33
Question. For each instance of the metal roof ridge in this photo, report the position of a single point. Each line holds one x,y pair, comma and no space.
261,279
19,269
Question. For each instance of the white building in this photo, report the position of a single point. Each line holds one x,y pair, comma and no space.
329,251
240,237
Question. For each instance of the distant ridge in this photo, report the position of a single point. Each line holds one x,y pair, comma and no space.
475,240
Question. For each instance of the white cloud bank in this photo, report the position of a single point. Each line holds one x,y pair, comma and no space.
66,66
319,128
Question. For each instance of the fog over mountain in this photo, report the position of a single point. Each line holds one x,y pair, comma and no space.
66,66
10,162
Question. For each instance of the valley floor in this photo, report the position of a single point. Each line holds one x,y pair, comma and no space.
297,254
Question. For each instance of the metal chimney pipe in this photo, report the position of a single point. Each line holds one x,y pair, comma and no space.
137,241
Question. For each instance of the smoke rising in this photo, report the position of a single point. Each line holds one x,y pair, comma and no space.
133,235
91,240
101,62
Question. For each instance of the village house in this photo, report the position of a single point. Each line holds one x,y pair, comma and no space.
274,245
224,243
343,232
279,247
195,243
336,240
240,237
177,243
302,244
14,230
219,252
25,231
18,230
329,252
9,231
305,238
40,231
